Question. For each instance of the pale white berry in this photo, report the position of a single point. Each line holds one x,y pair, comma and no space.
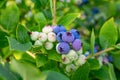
70,68
57,48
47,29
100,59
65,59
78,1
34,35
51,37
72,55
80,51
42,37
18,1
81,60
87,53
29,14
38,43
48,45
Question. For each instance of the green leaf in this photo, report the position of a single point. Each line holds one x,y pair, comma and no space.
82,72
27,58
68,19
94,64
92,41
111,72
117,74
52,75
21,34
105,73
40,19
50,65
10,17
41,60
108,34
53,55
3,39
15,45
26,71
116,60
6,73
117,46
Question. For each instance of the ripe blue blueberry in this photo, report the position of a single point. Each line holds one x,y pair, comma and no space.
75,33
95,49
77,45
58,29
110,58
95,10
85,1
68,37
59,36
63,48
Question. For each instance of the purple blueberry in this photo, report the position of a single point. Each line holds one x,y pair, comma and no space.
75,33
59,36
68,37
63,48
77,45
58,29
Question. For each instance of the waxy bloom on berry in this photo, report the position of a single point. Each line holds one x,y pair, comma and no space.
42,37
59,28
34,35
48,45
77,45
75,33
72,55
70,68
81,60
68,37
38,43
59,36
65,59
63,48
51,37
47,29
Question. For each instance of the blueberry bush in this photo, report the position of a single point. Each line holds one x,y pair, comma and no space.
59,40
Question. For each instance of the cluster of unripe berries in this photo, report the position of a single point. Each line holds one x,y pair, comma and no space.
44,38
68,45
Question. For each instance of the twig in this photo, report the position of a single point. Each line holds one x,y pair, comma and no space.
54,12
101,52
31,54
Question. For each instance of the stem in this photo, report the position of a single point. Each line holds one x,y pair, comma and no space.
54,12
31,54
4,30
101,52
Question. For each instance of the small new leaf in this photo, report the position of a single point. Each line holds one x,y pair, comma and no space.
92,41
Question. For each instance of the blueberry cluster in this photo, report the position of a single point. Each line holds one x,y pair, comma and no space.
67,40
70,46
44,38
